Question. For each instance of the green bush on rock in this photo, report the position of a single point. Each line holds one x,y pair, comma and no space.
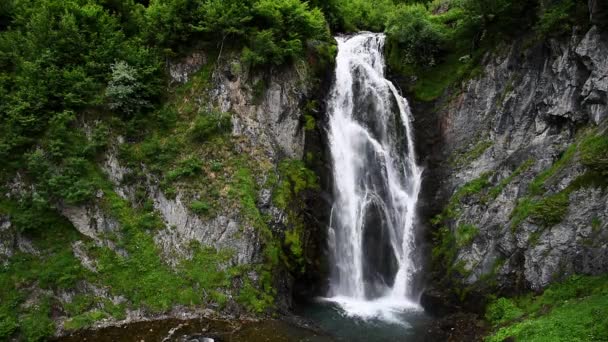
419,39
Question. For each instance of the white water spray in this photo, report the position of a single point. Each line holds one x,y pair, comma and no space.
376,184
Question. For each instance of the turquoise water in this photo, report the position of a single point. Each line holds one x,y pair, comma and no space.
332,320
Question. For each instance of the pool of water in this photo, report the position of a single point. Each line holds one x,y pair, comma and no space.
328,321
402,325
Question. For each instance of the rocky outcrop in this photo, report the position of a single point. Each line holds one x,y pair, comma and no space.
502,130
11,241
267,108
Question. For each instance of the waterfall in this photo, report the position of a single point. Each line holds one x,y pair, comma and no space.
376,184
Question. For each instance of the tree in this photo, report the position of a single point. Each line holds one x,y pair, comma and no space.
416,35
124,91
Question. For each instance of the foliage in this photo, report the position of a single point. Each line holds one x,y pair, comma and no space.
36,324
536,187
356,15
84,320
419,39
559,17
253,299
465,158
594,153
186,168
200,207
465,233
547,211
497,190
207,125
502,310
295,177
285,25
125,92
574,310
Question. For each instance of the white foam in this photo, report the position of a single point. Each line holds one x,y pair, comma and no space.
388,309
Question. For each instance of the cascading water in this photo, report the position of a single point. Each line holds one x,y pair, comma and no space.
376,184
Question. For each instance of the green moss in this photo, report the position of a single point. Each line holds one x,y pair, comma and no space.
186,168
36,324
502,310
594,153
574,310
463,159
293,240
200,207
206,125
471,188
547,211
551,210
465,233
309,122
537,185
498,189
254,300
433,82
84,320
80,304
596,224
294,177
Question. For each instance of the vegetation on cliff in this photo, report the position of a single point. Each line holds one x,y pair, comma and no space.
65,64
573,310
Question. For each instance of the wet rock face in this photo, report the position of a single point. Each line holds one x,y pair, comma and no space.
598,10
527,107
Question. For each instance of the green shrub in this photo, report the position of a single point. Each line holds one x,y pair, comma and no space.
419,39
187,168
357,15
207,125
502,310
573,310
293,240
254,300
551,210
36,324
8,323
559,17
465,233
200,207
594,153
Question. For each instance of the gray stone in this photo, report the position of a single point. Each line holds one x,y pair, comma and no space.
528,103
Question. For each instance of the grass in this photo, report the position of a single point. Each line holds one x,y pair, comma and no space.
465,233
499,188
549,210
574,310
465,158
84,320
537,185
594,153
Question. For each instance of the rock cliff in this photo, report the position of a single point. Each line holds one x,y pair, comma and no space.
515,151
